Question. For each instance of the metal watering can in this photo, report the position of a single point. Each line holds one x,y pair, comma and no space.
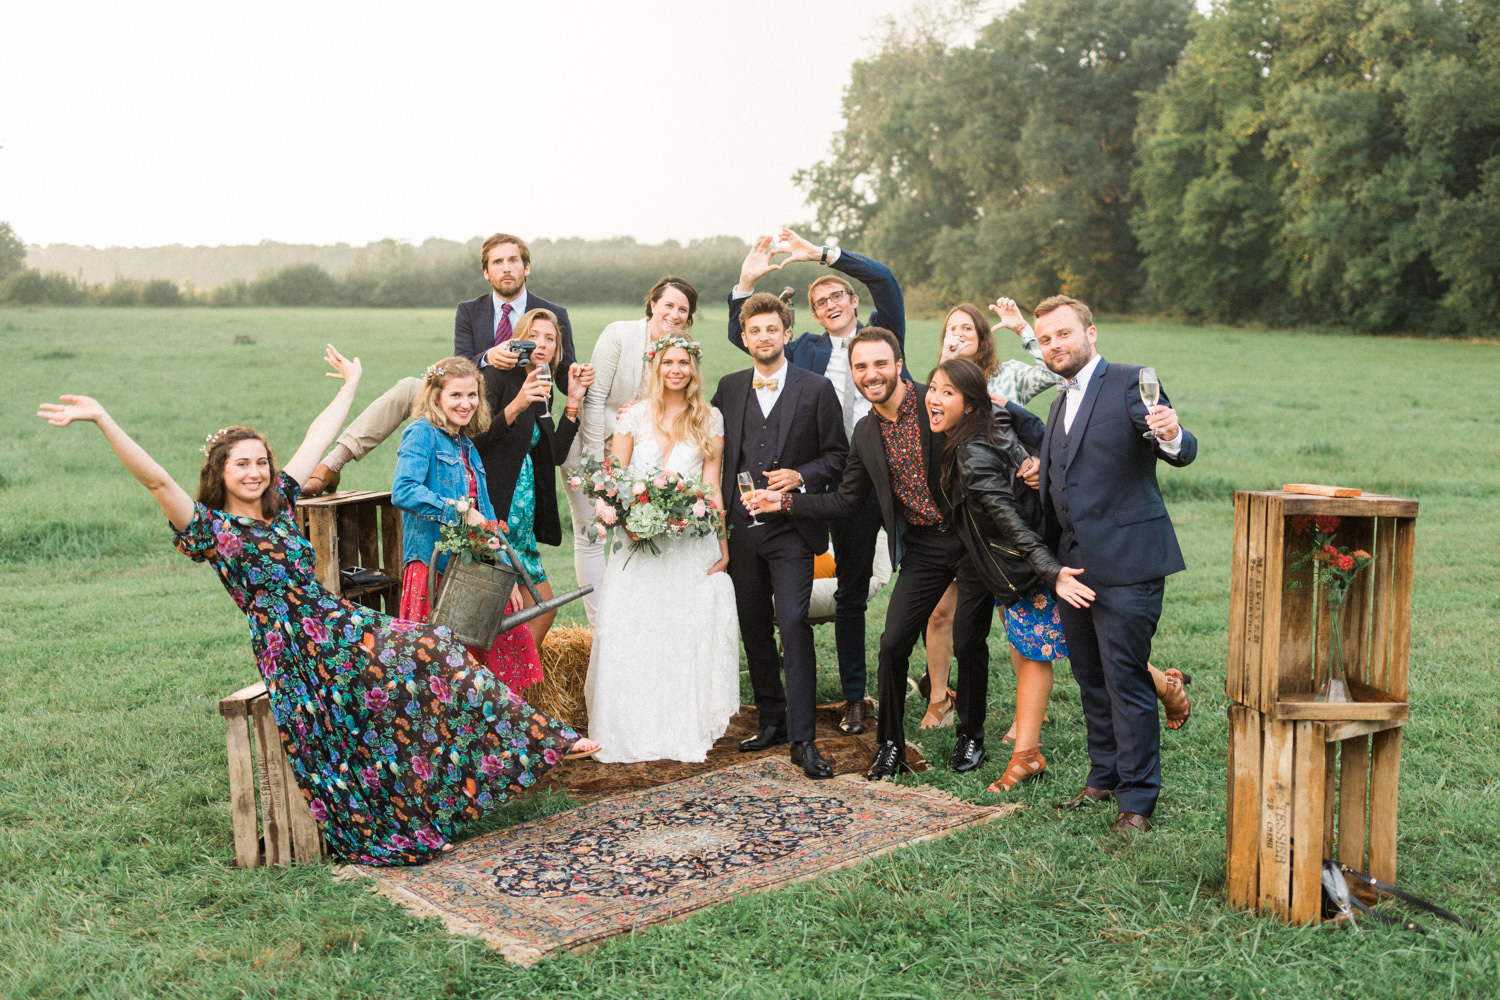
471,599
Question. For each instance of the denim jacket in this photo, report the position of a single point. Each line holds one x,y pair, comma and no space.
430,471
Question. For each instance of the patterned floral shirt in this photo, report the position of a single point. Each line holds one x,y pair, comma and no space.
903,453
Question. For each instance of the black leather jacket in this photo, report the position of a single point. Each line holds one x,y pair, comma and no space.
997,516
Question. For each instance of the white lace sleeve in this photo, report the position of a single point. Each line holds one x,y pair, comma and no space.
716,423
630,419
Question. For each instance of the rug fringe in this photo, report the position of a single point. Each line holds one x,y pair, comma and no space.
513,949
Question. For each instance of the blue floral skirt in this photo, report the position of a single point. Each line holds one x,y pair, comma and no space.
1035,627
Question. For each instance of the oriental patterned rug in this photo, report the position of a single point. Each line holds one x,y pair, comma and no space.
585,780
572,879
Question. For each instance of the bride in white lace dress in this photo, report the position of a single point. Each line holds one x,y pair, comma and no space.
663,676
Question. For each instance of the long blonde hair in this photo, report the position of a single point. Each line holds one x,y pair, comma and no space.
694,422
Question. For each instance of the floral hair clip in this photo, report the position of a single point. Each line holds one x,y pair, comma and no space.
661,344
212,439
434,373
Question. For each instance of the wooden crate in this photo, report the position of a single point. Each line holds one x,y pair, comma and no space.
356,528
1278,638
1301,791
285,831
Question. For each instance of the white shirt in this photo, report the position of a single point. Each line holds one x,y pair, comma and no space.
837,372
1074,399
768,397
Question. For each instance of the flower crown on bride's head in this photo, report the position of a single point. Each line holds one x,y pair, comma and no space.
660,344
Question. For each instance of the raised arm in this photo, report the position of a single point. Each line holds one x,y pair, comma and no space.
173,499
888,305
757,265
325,426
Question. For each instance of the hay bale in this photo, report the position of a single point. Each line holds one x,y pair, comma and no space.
565,663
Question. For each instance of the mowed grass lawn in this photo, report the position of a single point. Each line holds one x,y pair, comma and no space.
115,877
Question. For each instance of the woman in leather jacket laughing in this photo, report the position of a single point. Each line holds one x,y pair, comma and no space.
998,518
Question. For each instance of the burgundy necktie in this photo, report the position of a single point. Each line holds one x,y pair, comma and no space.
503,328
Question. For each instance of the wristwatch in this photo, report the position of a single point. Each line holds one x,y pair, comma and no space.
824,259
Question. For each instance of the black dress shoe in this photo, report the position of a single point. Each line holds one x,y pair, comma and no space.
890,760
806,756
764,738
968,754
1131,823
853,721
1087,797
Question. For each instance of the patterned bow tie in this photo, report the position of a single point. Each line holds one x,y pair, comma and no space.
763,383
1068,385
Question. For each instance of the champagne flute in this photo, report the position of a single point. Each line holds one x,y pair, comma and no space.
1150,393
747,486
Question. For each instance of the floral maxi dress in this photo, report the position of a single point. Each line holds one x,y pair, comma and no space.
394,732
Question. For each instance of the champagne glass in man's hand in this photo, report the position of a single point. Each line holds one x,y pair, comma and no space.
747,486
1150,393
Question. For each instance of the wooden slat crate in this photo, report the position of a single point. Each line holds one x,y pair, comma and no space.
1278,638
1309,780
356,528
1301,791
284,832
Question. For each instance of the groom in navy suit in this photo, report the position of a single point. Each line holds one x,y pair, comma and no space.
1104,511
781,425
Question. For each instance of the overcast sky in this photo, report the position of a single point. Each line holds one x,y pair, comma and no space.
158,122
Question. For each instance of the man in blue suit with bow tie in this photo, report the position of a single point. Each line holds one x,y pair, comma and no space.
1103,510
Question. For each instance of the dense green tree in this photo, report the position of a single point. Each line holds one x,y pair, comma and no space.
1207,205
161,292
298,285
120,292
1333,159
23,288
1004,165
12,251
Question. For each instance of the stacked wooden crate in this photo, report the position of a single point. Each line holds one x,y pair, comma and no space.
1311,780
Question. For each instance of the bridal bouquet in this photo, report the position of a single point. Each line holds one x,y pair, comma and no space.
649,508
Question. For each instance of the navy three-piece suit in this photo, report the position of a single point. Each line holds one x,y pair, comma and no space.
1103,511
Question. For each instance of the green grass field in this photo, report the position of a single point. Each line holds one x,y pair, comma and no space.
114,824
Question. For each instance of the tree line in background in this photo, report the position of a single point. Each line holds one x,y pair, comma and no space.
1282,161
393,275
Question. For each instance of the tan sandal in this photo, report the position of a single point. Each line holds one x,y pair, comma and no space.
1024,765
1175,701
582,749
942,715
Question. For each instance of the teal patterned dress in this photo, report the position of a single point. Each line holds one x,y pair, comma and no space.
522,518
396,735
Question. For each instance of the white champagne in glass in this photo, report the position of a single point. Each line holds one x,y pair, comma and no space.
747,486
1150,393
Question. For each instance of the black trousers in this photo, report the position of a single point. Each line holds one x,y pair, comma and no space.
854,541
934,559
772,569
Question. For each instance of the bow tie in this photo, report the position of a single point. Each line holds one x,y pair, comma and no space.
763,383
1068,385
